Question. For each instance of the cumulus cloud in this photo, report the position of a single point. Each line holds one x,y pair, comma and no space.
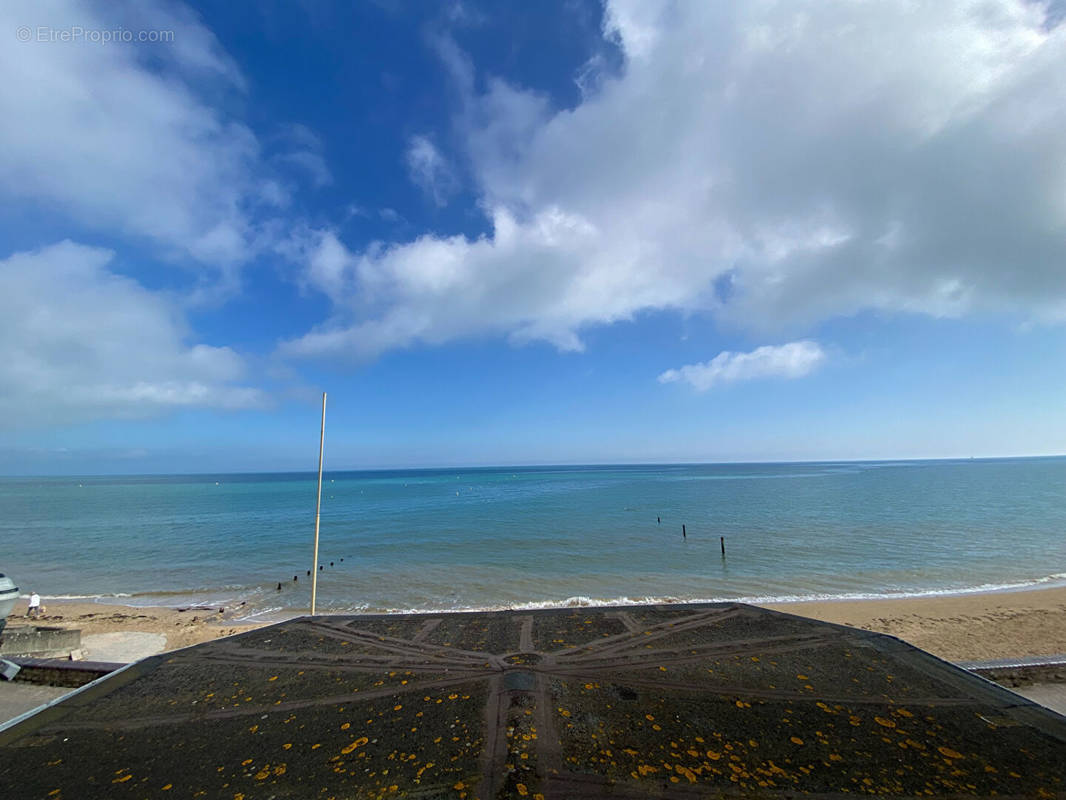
133,140
136,142
774,164
430,171
792,360
78,341
434,290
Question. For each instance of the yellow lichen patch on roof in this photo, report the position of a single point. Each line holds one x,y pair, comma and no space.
355,744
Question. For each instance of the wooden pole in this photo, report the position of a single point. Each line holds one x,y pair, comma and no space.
722,538
318,506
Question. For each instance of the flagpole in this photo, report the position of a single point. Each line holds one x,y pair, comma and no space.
318,506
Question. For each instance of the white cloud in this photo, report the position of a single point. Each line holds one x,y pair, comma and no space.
78,341
433,290
430,171
774,164
137,142
792,360
133,139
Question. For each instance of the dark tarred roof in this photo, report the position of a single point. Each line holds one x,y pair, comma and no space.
664,701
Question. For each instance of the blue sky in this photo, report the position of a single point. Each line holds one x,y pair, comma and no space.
529,233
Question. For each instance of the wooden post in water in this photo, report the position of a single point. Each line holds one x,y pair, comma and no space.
723,545
318,505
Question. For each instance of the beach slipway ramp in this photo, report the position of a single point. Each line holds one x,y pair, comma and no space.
687,701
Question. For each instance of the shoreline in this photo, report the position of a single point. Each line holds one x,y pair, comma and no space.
962,627
973,626
231,598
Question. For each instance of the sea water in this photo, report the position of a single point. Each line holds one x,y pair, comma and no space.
532,537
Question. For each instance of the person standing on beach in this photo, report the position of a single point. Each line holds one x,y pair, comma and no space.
33,610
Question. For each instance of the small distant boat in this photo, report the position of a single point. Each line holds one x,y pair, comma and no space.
9,595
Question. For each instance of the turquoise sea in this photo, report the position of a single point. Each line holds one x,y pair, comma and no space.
506,537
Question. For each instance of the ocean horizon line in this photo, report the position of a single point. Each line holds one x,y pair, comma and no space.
546,466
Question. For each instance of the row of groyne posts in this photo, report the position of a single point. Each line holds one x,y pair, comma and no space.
296,578
659,520
684,534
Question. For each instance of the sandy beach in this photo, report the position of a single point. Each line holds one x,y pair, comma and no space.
181,628
956,628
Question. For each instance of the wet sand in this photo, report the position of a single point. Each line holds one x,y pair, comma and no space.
956,628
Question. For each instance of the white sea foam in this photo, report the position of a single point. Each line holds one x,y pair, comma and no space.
584,601
261,605
257,607
271,614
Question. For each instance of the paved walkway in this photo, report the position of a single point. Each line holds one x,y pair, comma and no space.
122,647
18,698
1051,695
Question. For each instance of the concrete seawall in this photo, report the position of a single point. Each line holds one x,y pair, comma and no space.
39,642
